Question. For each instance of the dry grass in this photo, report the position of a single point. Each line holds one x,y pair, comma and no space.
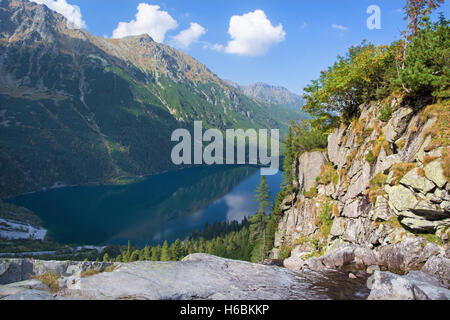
49,279
440,130
446,163
428,159
421,172
359,126
400,170
401,144
89,273
328,175
377,127
377,187
335,210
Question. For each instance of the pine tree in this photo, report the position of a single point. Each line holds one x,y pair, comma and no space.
417,11
106,258
177,250
134,256
147,253
165,252
263,195
156,253
127,255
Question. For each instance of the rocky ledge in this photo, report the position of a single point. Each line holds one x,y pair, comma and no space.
203,277
197,277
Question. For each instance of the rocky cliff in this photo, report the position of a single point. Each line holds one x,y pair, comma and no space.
378,197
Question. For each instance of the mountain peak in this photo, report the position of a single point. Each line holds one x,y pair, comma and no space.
270,94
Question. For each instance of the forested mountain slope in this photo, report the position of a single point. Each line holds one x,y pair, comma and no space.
79,109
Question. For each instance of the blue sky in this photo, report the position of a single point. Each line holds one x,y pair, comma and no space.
312,34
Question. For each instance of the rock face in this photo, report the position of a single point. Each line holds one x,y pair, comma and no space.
197,277
390,201
16,270
310,165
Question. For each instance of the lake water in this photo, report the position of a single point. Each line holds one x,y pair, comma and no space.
168,206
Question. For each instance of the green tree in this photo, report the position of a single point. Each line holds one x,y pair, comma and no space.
177,250
106,258
147,253
165,252
262,195
417,11
134,256
156,253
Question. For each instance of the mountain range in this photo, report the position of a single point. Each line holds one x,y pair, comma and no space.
80,109
267,93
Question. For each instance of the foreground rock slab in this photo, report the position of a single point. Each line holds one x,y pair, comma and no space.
416,285
200,277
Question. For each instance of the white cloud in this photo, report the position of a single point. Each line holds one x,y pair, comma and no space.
339,27
186,37
253,34
71,12
238,207
149,19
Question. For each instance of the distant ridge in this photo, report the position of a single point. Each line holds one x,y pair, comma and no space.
270,94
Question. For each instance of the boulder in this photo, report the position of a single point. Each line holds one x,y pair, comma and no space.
439,267
414,286
401,199
414,180
351,257
434,172
410,254
294,263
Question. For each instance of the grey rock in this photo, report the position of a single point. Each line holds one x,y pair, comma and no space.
359,183
439,267
415,286
382,211
420,224
402,199
334,142
434,172
372,269
398,124
197,277
294,263
429,210
354,257
30,295
310,166
417,182
410,254
338,227
16,270
445,206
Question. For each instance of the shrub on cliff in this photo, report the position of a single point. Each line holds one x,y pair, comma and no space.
416,68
